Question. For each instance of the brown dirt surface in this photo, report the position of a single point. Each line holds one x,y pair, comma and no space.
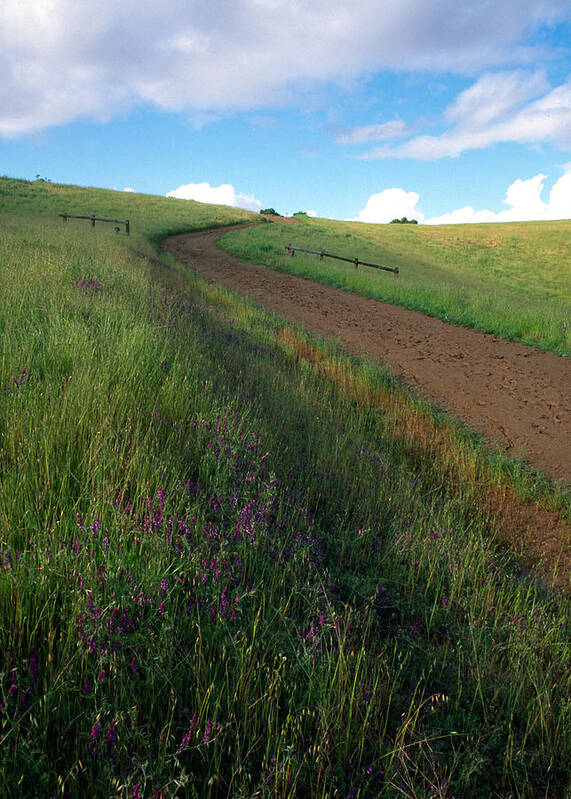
514,395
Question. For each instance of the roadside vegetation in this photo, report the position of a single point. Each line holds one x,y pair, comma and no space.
235,563
513,280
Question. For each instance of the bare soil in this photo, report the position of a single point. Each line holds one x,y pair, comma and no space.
516,396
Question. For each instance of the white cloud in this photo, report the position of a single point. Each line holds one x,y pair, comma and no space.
60,61
494,96
386,130
128,189
390,204
523,198
559,206
225,194
502,107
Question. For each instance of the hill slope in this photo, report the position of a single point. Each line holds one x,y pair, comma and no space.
514,395
234,562
513,280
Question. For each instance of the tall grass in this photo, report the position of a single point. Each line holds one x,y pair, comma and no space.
221,574
509,279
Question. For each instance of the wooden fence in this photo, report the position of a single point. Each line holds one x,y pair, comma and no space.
322,254
95,219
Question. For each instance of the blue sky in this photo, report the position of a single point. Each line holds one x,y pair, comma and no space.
442,111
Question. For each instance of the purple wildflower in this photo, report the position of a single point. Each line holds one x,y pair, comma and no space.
88,283
18,380
111,733
207,732
188,735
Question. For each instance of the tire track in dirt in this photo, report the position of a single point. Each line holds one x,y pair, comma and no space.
514,395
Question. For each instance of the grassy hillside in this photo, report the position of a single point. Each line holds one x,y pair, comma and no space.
510,279
234,563
151,217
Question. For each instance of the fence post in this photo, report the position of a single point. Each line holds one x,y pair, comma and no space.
93,220
127,228
356,263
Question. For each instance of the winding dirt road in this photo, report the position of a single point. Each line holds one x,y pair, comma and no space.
514,395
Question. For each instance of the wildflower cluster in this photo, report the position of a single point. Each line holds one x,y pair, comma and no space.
17,381
91,285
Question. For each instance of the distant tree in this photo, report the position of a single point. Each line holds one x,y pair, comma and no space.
300,213
270,212
404,221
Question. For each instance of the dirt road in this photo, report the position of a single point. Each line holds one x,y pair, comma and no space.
512,394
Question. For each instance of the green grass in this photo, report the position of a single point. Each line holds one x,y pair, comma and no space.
222,571
513,280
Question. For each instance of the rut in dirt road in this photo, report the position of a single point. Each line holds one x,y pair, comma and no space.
514,395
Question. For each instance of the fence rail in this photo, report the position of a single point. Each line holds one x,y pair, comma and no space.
95,219
322,254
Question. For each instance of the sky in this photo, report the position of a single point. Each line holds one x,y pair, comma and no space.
437,110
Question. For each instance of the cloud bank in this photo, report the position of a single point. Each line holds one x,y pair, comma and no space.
523,200
64,60
224,194
516,106
524,204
